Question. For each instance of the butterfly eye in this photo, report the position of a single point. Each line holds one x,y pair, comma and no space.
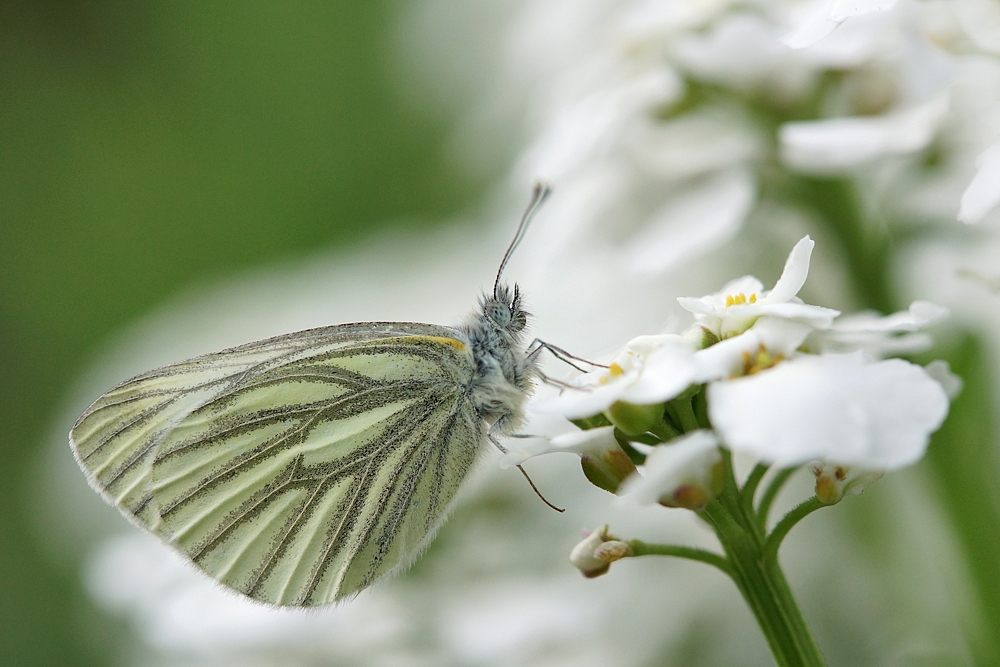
499,313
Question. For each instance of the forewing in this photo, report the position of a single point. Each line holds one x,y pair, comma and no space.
296,470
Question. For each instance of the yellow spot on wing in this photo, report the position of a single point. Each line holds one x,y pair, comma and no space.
452,342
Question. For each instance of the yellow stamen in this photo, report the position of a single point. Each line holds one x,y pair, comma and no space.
740,299
760,360
615,370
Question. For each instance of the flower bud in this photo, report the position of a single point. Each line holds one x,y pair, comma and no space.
701,336
634,419
835,482
593,556
608,468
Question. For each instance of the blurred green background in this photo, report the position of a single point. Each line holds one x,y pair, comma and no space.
146,146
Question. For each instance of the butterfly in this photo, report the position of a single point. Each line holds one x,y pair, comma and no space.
299,469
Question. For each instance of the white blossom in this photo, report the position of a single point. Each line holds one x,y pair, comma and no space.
650,370
604,462
737,306
833,145
822,17
983,193
843,408
880,335
941,371
685,472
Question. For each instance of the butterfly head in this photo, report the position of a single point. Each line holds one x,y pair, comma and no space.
504,310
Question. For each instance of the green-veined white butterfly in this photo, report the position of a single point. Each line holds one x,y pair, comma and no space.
299,469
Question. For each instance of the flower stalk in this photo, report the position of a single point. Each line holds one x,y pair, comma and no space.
754,568
750,559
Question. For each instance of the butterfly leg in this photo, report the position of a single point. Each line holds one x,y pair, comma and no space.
559,353
496,443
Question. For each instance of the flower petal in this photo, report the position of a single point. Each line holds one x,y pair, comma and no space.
844,408
725,359
681,461
668,371
817,316
832,145
983,193
941,371
826,15
919,315
694,223
592,441
794,275
715,304
580,402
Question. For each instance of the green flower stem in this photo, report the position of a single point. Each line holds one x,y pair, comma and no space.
730,498
765,590
685,413
751,561
771,492
640,548
749,489
663,430
801,511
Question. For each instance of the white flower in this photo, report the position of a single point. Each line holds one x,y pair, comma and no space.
734,309
941,371
604,462
983,193
833,145
719,205
650,370
843,408
880,336
768,341
823,17
685,472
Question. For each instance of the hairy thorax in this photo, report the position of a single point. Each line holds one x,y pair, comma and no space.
503,374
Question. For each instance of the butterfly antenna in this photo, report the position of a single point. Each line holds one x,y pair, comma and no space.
538,196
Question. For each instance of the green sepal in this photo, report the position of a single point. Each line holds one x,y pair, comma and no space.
664,430
625,442
689,393
609,470
701,409
587,423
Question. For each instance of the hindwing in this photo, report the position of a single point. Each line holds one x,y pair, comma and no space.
296,470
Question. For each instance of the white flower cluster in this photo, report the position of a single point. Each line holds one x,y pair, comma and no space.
661,122
782,384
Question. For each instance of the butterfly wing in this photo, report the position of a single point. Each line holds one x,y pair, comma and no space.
296,470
